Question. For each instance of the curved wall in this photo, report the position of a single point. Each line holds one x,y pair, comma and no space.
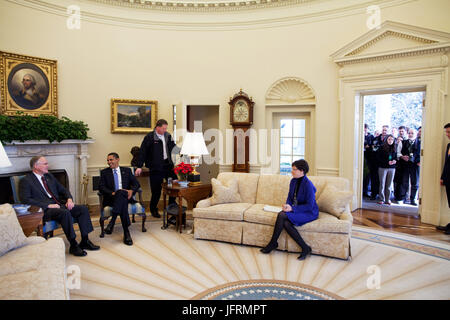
177,64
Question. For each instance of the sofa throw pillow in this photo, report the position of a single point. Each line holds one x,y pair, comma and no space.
334,201
225,194
11,233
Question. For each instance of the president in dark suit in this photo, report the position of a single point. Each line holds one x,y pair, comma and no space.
155,153
118,186
445,177
40,188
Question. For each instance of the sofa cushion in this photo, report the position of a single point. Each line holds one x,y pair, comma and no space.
225,194
248,183
256,214
11,233
35,272
327,223
334,201
225,211
273,189
320,183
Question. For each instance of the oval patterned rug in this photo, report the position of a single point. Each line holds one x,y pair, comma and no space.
265,290
164,264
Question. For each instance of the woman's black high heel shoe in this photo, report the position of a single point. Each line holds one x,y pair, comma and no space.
305,253
267,249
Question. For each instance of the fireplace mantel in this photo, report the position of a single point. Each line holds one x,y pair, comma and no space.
70,155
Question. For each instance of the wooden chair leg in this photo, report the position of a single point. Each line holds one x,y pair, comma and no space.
144,217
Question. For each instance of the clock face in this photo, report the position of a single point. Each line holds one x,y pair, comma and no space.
241,112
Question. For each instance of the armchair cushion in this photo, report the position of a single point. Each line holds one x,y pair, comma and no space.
224,194
11,233
133,208
334,201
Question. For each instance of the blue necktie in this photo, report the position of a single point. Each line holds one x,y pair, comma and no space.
116,180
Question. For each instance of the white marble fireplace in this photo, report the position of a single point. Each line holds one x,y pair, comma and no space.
70,155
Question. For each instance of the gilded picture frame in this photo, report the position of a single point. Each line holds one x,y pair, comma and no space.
28,84
133,116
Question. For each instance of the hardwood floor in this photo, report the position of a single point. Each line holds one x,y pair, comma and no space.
398,223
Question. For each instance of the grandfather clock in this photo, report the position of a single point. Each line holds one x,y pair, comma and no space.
241,119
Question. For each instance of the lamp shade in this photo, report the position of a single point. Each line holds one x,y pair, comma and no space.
194,144
4,161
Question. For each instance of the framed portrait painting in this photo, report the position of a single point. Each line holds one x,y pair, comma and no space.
133,116
28,84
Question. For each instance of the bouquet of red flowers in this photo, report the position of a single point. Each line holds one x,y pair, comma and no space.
182,170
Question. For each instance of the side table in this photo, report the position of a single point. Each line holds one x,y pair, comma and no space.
192,194
32,221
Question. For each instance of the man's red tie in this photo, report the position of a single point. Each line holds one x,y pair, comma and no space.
44,181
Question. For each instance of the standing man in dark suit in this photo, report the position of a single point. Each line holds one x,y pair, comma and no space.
410,160
445,177
155,153
40,188
118,186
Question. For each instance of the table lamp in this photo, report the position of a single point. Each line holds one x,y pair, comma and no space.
194,146
4,161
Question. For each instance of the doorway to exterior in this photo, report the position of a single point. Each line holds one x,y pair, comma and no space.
200,118
392,151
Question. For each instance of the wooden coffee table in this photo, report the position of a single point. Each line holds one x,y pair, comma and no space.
32,221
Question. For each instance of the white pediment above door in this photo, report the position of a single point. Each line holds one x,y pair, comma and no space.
392,39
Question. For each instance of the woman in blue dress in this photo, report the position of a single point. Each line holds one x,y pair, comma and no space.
300,208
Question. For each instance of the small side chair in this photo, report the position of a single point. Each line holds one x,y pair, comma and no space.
133,209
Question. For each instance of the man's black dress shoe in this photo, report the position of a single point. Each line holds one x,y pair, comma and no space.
413,203
305,253
109,229
77,251
443,228
127,239
88,245
446,229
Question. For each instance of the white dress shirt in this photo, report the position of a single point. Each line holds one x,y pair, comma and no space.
161,136
39,177
119,177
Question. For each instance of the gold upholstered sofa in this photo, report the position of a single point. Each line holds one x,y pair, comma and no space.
245,222
31,268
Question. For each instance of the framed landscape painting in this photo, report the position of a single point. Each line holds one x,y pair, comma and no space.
133,116
28,85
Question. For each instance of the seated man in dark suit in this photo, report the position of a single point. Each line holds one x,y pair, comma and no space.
40,188
118,185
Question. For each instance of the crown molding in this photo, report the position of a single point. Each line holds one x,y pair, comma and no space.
140,15
202,6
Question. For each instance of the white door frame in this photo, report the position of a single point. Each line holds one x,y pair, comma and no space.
432,209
